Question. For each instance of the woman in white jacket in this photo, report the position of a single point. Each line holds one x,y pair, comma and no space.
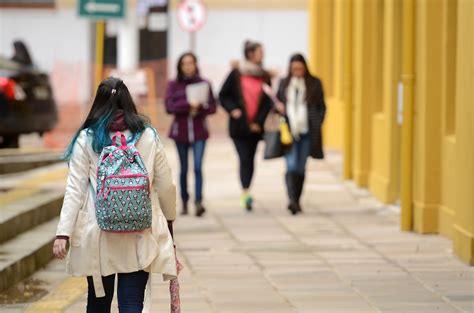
100,255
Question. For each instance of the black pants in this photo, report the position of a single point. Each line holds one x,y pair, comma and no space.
246,149
130,291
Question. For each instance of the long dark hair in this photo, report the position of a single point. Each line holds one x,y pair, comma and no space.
250,47
298,57
181,75
112,98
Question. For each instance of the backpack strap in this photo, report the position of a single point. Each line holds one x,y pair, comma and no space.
119,140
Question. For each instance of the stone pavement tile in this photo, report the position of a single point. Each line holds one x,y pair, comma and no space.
317,309
253,306
334,305
413,307
366,271
327,197
293,260
466,305
303,278
242,295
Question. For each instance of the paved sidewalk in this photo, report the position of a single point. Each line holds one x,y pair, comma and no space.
344,254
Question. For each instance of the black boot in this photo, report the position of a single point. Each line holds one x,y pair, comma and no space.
185,208
200,210
291,189
299,183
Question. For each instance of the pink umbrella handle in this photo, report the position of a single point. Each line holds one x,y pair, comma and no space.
174,289
175,300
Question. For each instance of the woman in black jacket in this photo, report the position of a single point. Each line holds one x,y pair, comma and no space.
302,100
248,106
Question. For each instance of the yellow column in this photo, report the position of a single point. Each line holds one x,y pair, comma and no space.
366,71
320,38
427,118
385,154
463,237
408,78
347,92
325,62
448,140
314,51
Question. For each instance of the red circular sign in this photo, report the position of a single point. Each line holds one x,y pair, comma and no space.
192,15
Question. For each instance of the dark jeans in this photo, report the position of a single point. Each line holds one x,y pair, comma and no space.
130,291
298,154
198,154
246,149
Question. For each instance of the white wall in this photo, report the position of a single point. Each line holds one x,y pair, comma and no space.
221,40
59,43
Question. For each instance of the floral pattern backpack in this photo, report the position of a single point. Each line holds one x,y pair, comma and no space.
122,202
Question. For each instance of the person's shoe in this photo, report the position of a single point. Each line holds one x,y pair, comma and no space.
184,211
298,208
200,210
293,208
246,202
299,180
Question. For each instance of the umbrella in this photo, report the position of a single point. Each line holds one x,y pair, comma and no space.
174,289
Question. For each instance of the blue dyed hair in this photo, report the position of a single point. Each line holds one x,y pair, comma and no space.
112,98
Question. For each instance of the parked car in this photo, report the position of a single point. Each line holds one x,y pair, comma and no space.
26,102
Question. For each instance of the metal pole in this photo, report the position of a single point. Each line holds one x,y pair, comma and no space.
192,42
408,80
99,51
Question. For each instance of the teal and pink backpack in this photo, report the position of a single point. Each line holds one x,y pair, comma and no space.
122,202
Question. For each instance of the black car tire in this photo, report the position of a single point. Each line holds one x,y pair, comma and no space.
10,141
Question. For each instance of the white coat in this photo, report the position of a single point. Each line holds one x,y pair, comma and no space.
97,253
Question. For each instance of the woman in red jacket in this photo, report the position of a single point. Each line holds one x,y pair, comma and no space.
243,98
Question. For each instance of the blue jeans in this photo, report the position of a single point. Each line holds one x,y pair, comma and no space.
198,154
298,154
130,291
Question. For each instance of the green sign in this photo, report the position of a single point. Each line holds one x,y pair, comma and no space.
102,9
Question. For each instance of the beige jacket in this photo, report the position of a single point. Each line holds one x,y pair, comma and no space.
96,253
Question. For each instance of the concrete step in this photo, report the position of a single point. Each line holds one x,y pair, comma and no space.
26,253
28,212
13,161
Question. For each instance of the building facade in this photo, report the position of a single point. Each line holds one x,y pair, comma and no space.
399,81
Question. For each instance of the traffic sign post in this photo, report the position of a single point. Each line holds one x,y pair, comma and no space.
192,16
101,9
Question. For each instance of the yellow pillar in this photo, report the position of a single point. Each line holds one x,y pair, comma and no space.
320,37
347,92
326,63
408,78
448,138
385,149
463,237
366,80
427,118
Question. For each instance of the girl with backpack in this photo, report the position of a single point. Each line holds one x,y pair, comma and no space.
118,202
302,99
243,98
189,128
